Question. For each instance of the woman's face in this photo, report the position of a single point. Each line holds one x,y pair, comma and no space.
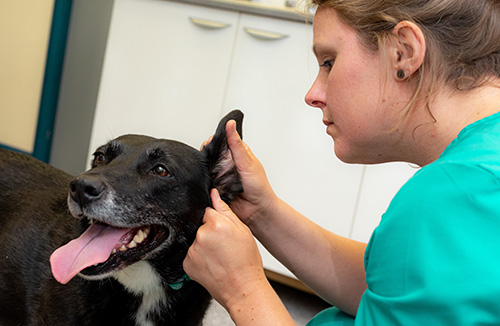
362,103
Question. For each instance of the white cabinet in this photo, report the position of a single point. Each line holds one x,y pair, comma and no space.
163,75
380,183
166,76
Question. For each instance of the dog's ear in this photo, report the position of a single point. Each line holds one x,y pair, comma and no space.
219,160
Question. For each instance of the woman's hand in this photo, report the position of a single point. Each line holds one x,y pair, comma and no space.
258,196
224,257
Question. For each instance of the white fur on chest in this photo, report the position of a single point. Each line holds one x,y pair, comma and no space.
142,280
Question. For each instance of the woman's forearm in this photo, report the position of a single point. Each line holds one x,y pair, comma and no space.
331,265
258,306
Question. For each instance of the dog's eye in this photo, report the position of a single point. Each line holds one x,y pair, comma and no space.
160,171
99,158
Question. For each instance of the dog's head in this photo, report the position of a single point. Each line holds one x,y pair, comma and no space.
144,199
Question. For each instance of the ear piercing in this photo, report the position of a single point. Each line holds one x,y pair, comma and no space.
401,74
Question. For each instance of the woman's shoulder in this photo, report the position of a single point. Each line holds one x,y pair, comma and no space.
449,198
469,167
477,143
448,186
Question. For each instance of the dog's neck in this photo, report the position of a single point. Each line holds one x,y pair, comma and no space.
142,280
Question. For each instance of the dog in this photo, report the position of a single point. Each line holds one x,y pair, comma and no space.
124,227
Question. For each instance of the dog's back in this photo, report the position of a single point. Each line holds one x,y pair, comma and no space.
23,172
31,188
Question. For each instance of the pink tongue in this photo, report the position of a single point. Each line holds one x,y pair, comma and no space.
94,246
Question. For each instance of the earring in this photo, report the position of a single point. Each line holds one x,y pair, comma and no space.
401,74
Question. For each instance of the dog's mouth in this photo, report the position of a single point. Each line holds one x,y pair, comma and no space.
104,249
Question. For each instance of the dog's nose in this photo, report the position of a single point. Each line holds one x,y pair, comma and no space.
85,190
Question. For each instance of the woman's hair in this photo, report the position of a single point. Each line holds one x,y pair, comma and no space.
462,36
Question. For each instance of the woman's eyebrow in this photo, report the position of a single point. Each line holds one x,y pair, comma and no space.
322,49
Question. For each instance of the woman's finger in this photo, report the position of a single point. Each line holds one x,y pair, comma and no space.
239,150
206,142
221,207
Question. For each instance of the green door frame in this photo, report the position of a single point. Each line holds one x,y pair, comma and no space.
52,79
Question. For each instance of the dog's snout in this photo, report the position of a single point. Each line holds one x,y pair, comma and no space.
85,190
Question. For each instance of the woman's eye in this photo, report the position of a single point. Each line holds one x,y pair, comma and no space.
327,64
160,171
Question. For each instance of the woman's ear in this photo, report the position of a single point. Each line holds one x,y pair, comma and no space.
408,51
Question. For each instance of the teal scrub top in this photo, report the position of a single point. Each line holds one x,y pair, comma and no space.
435,257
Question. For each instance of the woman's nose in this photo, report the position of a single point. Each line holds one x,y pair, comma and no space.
315,97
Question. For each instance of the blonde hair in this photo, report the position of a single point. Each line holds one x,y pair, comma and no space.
462,36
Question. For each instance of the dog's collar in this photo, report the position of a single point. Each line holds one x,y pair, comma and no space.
180,282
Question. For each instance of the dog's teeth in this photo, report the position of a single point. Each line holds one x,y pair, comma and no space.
139,237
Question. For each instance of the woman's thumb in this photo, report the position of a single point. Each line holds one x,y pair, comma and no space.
239,150
220,206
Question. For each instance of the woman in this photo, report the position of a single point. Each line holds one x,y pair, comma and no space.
399,80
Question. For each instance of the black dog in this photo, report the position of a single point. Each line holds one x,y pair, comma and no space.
137,212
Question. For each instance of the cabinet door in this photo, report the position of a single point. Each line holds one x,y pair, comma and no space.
380,184
164,72
273,67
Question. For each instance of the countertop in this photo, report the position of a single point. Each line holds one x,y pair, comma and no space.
253,7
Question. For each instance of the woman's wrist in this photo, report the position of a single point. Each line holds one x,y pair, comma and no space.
265,218
265,210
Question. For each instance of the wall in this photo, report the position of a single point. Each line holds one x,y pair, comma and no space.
24,38
80,83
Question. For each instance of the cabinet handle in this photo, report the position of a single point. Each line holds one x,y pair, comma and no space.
209,24
264,35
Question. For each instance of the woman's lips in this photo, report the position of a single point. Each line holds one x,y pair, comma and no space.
328,125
